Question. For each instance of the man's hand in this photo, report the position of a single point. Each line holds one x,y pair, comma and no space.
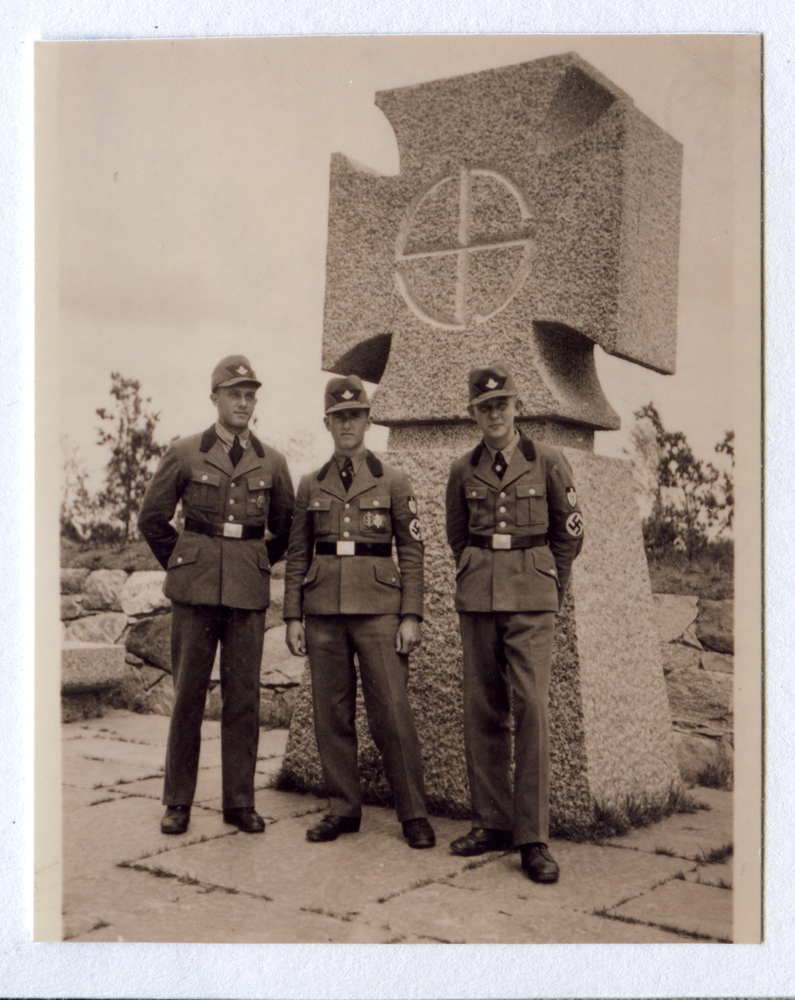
408,636
296,637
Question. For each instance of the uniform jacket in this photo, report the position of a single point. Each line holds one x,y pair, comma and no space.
202,569
378,508
536,496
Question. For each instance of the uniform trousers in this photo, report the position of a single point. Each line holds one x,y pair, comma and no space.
507,657
196,630
331,642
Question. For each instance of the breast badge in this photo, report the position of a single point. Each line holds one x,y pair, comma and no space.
260,501
374,520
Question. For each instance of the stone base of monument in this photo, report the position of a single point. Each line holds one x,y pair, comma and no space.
612,748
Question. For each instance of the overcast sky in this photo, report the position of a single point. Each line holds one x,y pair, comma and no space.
192,198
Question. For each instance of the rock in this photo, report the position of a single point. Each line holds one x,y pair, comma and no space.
720,662
276,708
71,607
675,656
142,594
673,613
690,638
72,580
151,640
80,706
278,660
701,697
102,590
715,626
105,627
273,615
90,667
705,758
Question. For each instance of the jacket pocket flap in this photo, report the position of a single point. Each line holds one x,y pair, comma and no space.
476,492
262,481
370,503
264,562
312,572
322,503
187,555
387,574
531,490
209,478
544,562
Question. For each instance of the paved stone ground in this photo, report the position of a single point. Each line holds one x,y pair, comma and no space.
125,881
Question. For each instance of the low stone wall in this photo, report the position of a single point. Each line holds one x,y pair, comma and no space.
128,612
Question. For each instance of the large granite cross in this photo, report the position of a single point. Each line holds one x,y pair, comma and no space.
536,214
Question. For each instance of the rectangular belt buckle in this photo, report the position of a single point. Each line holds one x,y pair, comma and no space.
233,530
346,548
500,541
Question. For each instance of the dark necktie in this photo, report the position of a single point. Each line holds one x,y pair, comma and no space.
346,474
235,452
500,464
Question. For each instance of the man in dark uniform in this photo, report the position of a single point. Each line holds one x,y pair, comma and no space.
342,580
515,527
218,578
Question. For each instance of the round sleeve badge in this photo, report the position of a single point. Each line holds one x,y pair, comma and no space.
415,531
574,525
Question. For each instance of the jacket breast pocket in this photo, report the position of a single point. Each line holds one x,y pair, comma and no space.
258,495
183,555
531,504
320,508
204,490
477,498
374,516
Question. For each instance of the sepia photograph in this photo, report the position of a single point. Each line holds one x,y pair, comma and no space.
399,435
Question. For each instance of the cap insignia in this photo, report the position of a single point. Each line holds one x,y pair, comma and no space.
491,384
347,394
241,370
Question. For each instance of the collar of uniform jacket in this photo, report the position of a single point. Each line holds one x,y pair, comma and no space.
524,454
507,451
364,479
228,438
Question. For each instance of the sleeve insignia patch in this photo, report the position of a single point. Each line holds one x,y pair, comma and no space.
415,531
574,525
571,496
412,505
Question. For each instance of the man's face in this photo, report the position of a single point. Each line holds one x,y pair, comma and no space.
235,404
495,419
348,428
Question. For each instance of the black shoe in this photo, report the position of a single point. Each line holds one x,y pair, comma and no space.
245,818
330,827
539,863
175,819
478,841
419,833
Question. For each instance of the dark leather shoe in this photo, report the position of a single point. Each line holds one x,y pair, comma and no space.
330,827
419,833
539,863
175,819
245,818
478,841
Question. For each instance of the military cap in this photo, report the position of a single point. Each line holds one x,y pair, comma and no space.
487,383
346,393
232,370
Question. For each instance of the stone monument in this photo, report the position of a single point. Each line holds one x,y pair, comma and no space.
536,214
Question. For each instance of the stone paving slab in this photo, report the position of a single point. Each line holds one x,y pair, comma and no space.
442,913
273,805
119,722
720,876
103,774
700,909
113,751
688,835
272,742
74,797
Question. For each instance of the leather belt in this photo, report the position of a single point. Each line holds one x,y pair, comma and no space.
226,530
353,548
507,541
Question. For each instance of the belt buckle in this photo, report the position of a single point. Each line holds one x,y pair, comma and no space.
233,530
346,548
500,541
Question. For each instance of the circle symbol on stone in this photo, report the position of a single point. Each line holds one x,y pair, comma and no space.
464,248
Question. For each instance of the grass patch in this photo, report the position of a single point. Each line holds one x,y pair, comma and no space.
718,774
667,851
617,817
717,855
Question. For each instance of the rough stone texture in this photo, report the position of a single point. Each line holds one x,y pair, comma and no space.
701,696
690,638
142,594
151,640
76,707
105,627
279,667
717,661
90,667
568,237
675,656
72,580
273,614
102,590
611,736
673,613
71,607
715,626
701,751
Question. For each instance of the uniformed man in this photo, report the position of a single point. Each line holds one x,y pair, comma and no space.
341,579
218,578
515,527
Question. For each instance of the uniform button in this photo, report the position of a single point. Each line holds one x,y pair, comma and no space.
347,520
473,493
262,482
375,503
347,506
502,524
179,558
346,534
231,517
231,501
204,478
232,485
532,493
502,496
317,503
502,510
394,579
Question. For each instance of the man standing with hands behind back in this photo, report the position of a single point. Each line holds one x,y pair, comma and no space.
515,527
218,578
